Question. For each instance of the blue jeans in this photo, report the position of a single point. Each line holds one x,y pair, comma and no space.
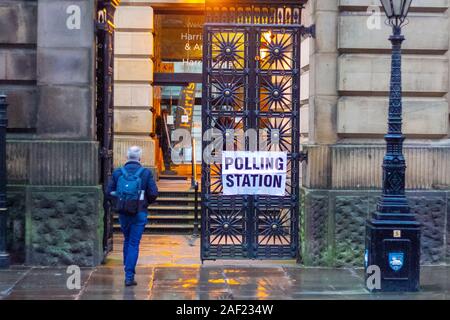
132,228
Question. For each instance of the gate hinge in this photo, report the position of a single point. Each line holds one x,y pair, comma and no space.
100,26
303,156
105,153
309,32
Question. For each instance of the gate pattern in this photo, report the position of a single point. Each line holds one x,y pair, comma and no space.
105,104
251,81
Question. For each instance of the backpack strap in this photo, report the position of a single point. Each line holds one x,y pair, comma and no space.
124,172
139,172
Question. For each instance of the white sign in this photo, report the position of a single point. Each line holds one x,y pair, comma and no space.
254,173
170,120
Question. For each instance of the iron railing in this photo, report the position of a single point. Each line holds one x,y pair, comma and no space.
195,186
254,11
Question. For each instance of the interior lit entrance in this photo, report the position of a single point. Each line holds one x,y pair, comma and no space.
179,107
177,92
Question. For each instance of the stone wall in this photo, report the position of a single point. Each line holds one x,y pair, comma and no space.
64,226
55,205
348,84
334,225
52,226
18,38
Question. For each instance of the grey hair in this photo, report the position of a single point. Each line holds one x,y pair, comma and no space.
134,153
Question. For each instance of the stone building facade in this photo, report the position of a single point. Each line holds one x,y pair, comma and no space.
47,69
348,71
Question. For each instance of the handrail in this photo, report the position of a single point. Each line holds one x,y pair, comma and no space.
194,163
194,184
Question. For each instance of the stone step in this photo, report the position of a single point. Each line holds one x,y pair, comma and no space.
172,213
164,228
176,199
172,217
171,201
166,217
171,208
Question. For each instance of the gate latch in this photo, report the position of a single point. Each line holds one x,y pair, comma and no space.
303,156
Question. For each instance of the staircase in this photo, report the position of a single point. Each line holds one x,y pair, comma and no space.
172,213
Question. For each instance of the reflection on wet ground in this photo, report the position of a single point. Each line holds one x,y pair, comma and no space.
169,269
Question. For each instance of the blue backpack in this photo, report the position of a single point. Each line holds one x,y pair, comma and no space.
128,192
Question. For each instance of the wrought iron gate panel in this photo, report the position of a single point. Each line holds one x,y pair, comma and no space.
251,81
105,105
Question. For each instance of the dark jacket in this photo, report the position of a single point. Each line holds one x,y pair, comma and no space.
148,184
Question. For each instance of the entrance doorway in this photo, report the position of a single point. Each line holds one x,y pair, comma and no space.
234,71
178,92
177,126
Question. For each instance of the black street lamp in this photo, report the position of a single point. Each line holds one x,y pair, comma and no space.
392,233
4,256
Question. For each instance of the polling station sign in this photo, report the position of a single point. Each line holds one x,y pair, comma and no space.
254,173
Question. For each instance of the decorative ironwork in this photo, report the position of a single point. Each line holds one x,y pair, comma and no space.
251,81
254,11
227,93
279,133
228,52
105,103
276,50
276,94
393,199
393,233
226,226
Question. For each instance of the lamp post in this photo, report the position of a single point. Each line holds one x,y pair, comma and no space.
4,256
392,233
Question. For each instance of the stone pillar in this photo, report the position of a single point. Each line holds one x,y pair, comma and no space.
349,84
54,197
322,102
133,95
18,81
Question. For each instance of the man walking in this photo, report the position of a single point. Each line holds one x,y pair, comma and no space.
131,189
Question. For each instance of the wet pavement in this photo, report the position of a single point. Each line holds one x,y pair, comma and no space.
169,269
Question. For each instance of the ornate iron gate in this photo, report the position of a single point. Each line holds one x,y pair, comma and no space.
105,104
251,80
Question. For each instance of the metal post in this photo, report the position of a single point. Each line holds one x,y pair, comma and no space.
194,185
194,164
196,222
393,234
4,256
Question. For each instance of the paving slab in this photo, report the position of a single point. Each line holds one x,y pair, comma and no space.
165,277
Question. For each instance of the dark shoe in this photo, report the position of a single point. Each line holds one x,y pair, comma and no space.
130,283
